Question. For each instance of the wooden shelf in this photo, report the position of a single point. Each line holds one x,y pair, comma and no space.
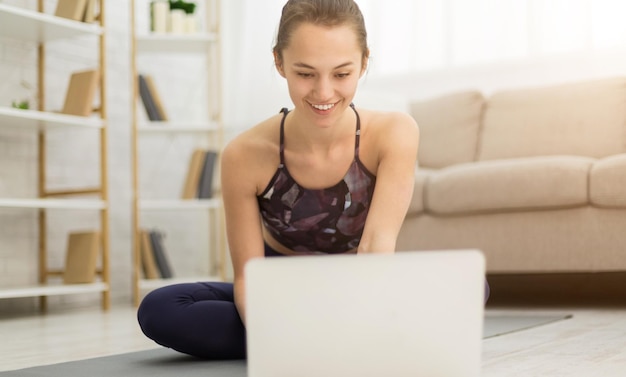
151,284
184,43
190,204
78,204
32,26
40,120
52,290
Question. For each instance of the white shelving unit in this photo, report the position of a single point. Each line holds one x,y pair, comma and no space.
204,44
175,128
38,27
31,26
196,204
185,43
42,121
74,204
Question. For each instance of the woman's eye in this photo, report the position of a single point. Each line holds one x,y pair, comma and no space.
342,75
304,74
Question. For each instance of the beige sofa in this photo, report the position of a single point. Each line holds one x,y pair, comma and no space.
536,178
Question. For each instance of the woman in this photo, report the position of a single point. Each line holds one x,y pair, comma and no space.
324,178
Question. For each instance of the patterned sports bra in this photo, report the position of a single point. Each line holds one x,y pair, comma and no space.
329,220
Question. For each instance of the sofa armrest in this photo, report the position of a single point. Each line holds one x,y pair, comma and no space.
607,182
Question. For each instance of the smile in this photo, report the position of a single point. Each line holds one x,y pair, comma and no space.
324,107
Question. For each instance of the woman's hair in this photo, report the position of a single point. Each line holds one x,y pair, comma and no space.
320,12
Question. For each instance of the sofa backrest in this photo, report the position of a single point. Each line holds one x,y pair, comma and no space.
584,119
449,127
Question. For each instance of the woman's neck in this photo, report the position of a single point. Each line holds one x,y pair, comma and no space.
301,134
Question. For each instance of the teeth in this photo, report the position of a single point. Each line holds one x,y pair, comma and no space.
324,107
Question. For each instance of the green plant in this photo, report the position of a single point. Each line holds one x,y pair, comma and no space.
21,105
189,8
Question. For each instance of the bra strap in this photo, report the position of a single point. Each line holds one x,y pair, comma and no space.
357,140
284,111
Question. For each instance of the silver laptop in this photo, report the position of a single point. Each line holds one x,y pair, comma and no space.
409,314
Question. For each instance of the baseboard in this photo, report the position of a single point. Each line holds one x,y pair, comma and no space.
558,289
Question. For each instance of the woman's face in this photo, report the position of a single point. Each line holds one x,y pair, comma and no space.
322,66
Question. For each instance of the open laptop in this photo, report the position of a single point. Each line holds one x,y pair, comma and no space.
407,314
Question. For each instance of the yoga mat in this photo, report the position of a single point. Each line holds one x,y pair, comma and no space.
502,324
158,362
162,362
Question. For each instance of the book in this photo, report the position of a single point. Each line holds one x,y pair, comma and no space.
83,249
148,100
205,187
89,15
81,92
71,9
148,263
160,255
194,172
156,98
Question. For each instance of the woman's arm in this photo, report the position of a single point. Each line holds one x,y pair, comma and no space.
243,224
396,144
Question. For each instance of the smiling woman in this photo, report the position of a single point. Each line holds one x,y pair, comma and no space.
325,177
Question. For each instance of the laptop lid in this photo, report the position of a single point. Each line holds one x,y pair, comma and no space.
406,314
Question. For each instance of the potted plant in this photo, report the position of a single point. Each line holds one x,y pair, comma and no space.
189,8
183,19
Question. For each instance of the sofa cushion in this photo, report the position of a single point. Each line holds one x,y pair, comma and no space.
449,127
583,119
516,184
607,185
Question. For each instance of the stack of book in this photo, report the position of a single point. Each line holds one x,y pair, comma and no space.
77,10
154,261
199,181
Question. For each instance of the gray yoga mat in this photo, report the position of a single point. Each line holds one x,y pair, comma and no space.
502,324
163,362
158,362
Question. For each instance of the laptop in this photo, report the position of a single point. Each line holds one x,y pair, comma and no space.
412,314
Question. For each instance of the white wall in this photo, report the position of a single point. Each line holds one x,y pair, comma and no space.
489,78
553,42
253,90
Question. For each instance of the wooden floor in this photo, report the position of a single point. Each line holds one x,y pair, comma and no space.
592,343
65,336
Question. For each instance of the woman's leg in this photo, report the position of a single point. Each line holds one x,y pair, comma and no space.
199,319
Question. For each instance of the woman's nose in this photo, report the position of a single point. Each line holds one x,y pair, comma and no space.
323,89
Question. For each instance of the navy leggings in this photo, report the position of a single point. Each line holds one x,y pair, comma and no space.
198,319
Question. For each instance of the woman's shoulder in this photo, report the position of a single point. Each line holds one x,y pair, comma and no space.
259,139
251,158
388,123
